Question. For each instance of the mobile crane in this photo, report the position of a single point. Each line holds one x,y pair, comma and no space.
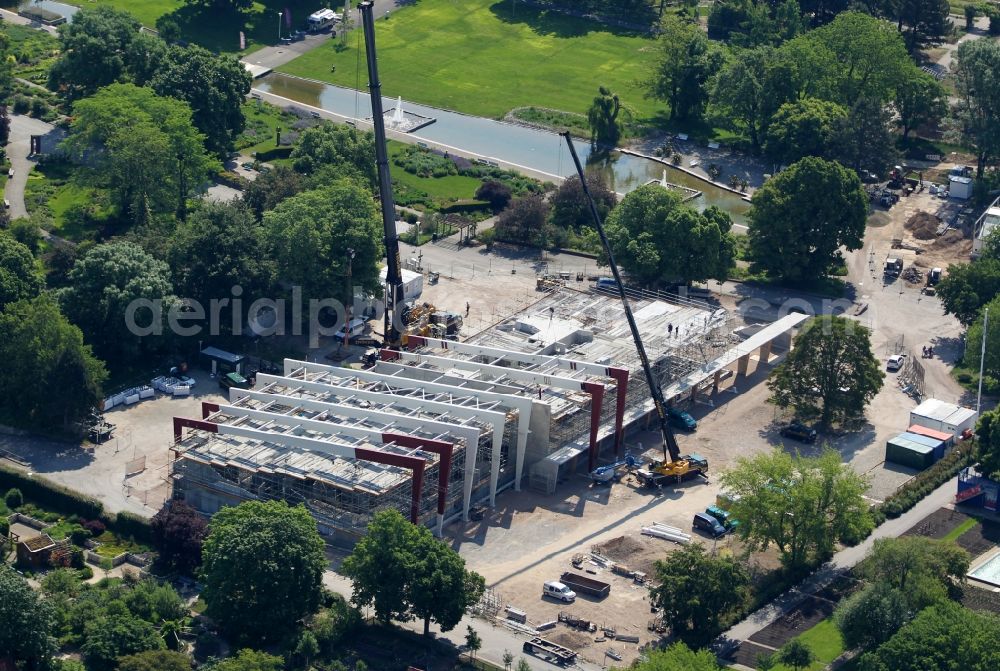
674,466
394,294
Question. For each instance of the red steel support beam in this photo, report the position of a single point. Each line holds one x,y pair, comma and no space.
207,408
387,354
416,464
620,376
181,422
596,402
439,447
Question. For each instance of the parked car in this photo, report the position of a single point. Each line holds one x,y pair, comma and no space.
895,362
6,203
557,590
800,432
10,172
681,419
723,516
708,524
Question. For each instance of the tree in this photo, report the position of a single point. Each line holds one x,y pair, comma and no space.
221,245
570,206
801,505
347,150
508,659
306,648
147,55
604,118
991,246
103,284
942,637
678,657
25,622
686,64
56,375
923,23
116,634
178,533
968,287
796,654
920,100
740,91
657,240
473,642
525,221
924,569
988,438
865,57
272,187
401,570
142,146
327,222
497,194
248,660
974,339
831,373
801,218
93,49
977,82
971,12
863,140
214,86
155,660
870,617
262,566
19,278
805,127
697,592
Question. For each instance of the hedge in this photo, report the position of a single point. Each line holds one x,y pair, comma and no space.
68,502
925,482
47,493
271,154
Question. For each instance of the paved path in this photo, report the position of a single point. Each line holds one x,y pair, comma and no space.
21,129
841,563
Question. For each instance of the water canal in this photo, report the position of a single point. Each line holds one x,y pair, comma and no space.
537,150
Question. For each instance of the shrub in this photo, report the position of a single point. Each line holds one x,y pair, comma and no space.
924,483
14,499
130,525
21,104
79,536
77,559
38,107
4,527
85,573
95,527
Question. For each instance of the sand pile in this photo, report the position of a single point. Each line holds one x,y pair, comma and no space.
923,225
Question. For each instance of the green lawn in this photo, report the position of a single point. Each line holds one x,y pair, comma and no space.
826,643
473,57
34,52
51,185
960,529
216,29
262,119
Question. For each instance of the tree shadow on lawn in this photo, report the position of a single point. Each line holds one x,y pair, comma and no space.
555,24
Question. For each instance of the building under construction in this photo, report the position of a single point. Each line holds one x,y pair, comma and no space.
440,426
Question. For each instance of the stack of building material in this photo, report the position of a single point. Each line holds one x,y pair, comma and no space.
659,530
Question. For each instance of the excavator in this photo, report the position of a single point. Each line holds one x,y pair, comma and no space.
674,467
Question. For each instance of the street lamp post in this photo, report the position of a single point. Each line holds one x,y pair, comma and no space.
280,16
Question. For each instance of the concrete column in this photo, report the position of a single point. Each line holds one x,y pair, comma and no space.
715,381
741,365
765,352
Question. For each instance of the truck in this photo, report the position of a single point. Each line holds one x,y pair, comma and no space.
553,652
893,267
322,19
585,585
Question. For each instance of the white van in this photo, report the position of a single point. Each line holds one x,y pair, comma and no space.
559,591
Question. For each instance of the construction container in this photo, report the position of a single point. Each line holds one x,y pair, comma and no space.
947,438
946,417
937,445
905,452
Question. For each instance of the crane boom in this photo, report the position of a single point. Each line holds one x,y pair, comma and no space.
393,279
669,441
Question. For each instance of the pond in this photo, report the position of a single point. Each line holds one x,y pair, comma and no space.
59,8
536,150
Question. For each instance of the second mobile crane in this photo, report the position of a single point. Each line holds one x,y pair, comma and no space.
674,466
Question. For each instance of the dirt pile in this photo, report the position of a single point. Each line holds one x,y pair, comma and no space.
621,548
923,225
573,640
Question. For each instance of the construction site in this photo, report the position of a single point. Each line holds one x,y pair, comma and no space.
438,428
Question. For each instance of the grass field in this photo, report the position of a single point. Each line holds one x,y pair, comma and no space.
960,529
215,29
474,57
826,643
